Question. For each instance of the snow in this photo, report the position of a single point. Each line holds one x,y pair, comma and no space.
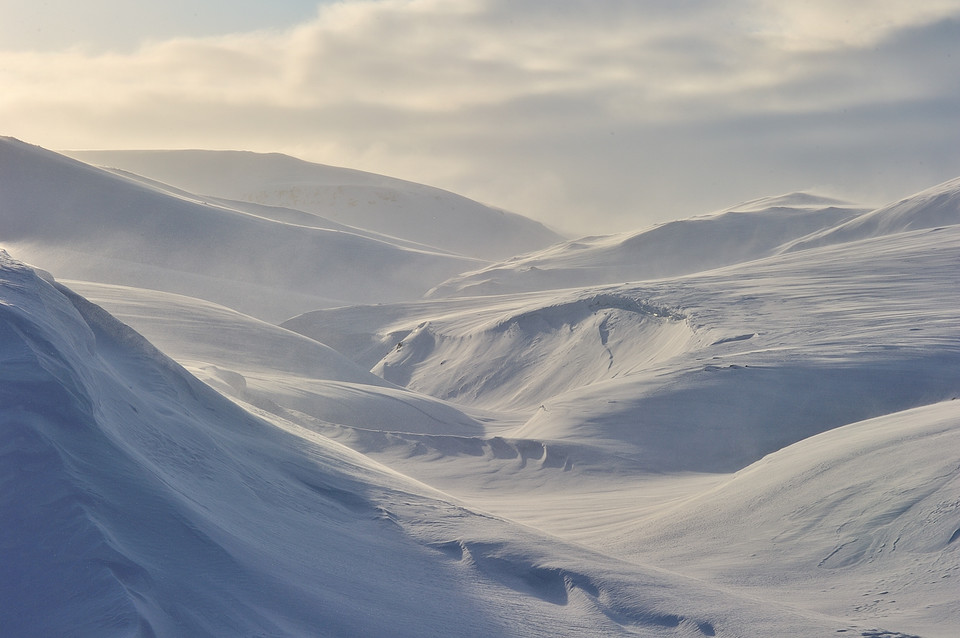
742,233
84,223
755,436
386,205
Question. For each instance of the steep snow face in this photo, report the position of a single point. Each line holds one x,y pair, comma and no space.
524,356
84,223
391,206
739,234
935,207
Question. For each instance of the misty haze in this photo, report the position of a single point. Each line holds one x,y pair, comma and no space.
405,318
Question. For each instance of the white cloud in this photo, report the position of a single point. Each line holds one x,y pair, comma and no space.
563,110
813,25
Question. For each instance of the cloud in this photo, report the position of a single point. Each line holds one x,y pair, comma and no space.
568,111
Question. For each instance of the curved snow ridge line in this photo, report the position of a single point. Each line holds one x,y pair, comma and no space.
141,502
935,207
557,585
520,358
519,454
721,419
391,206
560,586
877,500
569,312
86,223
59,475
671,249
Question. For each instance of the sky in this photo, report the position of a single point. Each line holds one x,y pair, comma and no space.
592,116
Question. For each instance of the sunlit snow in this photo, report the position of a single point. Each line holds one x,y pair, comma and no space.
230,407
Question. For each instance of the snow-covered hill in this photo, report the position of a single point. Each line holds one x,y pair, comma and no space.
642,368
138,501
374,202
876,501
85,223
748,231
758,439
764,354
932,208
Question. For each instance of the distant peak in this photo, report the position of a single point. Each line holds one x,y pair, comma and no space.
796,199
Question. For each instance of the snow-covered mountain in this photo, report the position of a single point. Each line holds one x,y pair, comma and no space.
387,205
745,232
85,223
752,441
932,208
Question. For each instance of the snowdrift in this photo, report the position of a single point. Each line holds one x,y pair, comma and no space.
137,501
387,205
703,373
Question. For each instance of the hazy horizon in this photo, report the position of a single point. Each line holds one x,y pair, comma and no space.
589,117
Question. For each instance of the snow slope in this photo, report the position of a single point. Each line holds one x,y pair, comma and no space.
748,231
85,223
867,320
138,501
931,208
276,213
390,206
761,443
771,353
272,369
877,500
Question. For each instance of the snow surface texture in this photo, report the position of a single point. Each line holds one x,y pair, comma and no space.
85,223
742,233
741,442
390,206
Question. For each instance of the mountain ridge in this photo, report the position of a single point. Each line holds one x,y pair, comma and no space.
391,206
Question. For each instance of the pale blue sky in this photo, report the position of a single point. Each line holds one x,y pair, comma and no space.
124,24
590,115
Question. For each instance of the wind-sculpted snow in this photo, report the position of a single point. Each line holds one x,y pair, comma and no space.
932,208
778,350
878,500
790,346
273,369
529,354
137,501
390,206
774,429
742,233
85,223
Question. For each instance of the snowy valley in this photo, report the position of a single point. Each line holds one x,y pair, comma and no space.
246,395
